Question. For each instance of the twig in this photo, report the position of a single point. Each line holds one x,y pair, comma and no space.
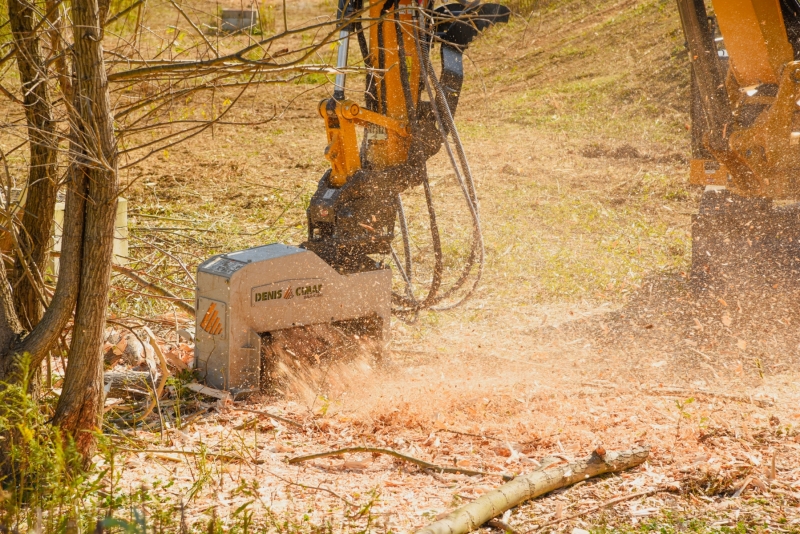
743,487
185,453
271,416
600,506
146,285
764,403
149,295
501,525
410,459
123,12
313,488
468,434
246,424
10,95
194,26
189,419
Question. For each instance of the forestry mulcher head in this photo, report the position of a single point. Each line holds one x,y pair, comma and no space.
248,299
264,313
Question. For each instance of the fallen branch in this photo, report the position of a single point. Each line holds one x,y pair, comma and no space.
525,487
222,456
271,416
123,384
600,506
410,459
685,392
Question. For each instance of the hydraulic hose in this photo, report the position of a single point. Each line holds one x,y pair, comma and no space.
458,160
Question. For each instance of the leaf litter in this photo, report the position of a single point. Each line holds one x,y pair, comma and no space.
712,456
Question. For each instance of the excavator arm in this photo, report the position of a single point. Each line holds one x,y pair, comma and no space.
352,214
746,139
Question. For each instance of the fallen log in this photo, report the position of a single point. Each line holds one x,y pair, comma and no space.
525,487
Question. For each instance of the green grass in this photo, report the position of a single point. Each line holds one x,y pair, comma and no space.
583,246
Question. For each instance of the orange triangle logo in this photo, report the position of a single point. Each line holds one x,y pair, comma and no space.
211,322
288,293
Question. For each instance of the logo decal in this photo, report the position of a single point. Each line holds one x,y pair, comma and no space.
211,322
301,289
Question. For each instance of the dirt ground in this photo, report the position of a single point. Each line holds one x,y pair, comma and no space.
584,331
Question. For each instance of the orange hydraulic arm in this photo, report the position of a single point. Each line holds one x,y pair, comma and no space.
748,90
394,56
353,212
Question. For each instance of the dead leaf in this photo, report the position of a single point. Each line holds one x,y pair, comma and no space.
758,483
726,319
174,359
502,451
280,447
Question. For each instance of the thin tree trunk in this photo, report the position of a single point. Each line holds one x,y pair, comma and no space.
37,219
54,31
10,328
59,312
79,408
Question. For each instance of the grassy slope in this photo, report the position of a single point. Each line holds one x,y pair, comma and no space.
580,79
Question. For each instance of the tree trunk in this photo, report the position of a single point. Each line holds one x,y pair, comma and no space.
59,312
79,408
37,219
10,329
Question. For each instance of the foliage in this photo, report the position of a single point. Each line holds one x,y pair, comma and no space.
46,489
43,483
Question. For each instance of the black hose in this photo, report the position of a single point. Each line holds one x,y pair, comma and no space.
446,125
